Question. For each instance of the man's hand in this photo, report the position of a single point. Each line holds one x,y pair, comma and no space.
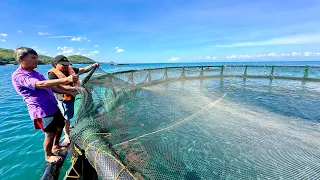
96,65
72,78
79,88
73,93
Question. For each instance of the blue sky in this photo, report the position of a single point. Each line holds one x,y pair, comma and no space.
132,31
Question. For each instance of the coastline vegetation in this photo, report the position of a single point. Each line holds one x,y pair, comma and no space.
7,57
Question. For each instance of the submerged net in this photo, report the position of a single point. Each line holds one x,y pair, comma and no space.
234,122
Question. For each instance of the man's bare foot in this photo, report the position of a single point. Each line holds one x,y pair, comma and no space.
58,148
52,159
66,141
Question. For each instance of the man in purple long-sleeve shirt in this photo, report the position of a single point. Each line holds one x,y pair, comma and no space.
42,105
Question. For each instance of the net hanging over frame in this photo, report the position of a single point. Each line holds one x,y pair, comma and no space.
215,122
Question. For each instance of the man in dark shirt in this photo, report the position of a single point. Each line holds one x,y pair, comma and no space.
63,69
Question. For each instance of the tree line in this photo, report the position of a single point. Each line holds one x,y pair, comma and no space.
7,56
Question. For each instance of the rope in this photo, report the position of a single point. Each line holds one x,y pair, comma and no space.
78,150
114,159
303,113
154,132
72,165
163,129
107,134
88,146
95,158
108,154
119,163
118,175
182,121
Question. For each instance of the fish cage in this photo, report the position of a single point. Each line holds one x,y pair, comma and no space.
201,122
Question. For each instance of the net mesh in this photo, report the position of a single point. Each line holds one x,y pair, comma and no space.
201,123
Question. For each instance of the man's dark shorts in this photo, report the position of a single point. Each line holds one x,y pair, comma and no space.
50,123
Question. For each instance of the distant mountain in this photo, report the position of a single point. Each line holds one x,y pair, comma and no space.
7,56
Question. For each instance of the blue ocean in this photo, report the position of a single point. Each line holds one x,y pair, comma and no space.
22,155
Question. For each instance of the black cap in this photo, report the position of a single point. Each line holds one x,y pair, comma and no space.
61,59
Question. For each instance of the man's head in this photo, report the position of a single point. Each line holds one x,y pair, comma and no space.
27,57
61,63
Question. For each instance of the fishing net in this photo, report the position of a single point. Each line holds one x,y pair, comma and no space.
223,122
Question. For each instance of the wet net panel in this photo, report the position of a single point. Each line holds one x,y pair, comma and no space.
201,123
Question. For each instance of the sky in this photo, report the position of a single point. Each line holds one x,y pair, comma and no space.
160,31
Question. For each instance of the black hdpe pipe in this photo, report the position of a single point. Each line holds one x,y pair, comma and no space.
52,170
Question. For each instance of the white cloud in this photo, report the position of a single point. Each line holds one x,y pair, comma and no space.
206,58
43,33
80,39
210,57
81,49
95,46
19,31
56,37
231,57
174,59
76,39
273,55
3,35
2,40
39,51
296,54
90,54
65,50
120,50
285,54
307,54
295,39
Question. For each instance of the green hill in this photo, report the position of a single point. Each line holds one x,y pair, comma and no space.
7,57
77,59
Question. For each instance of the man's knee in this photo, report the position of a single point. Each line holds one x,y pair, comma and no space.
50,135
